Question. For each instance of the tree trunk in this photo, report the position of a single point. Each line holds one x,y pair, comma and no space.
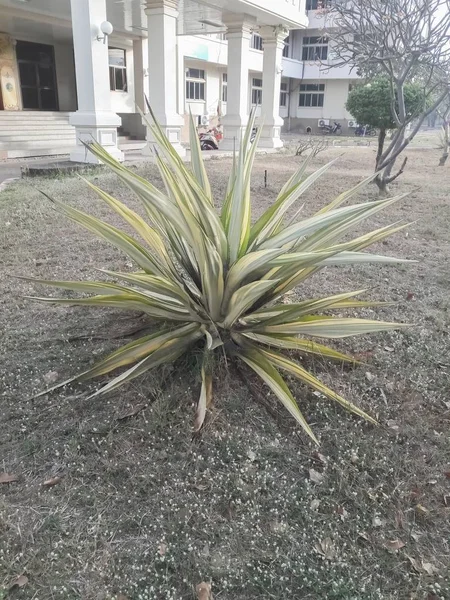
446,142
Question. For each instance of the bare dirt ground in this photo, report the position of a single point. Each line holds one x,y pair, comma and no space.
145,511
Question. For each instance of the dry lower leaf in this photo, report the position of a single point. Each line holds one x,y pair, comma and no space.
395,545
315,476
51,482
399,519
203,591
6,478
19,582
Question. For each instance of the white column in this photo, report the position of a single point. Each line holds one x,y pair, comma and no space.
239,32
163,69
273,40
94,118
138,71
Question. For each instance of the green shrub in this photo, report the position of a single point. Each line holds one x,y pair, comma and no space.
217,280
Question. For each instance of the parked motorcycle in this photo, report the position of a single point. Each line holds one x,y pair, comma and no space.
335,129
209,140
365,131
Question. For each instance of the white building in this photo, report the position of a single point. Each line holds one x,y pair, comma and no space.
63,80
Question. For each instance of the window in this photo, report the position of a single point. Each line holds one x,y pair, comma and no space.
257,91
315,48
283,94
317,4
256,42
311,94
195,84
117,70
224,87
286,48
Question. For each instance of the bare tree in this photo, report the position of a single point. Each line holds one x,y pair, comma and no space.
406,40
314,145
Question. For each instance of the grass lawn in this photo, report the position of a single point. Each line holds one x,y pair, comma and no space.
144,510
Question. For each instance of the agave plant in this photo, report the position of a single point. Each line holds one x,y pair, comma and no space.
217,280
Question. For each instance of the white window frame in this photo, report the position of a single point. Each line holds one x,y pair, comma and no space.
256,42
197,84
224,88
257,91
284,93
314,93
114,69
314,47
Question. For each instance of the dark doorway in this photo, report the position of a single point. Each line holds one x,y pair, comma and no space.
37,76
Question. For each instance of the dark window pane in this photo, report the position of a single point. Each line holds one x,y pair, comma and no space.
46,76
314,100
48,100
112,84
120,79
30,98
321,97
28,74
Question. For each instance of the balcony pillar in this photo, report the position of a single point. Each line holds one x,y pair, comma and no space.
94,119
239,32
163,69
273,40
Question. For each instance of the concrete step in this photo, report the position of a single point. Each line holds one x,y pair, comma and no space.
25,153
36,136
32,114
41,125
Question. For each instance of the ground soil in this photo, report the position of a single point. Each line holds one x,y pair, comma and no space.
143,508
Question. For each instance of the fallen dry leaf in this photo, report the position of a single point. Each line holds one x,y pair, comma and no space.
19,582
447,474
364,536
392,425
395,545
326,548
399,519
51,377
203,591
51,482
415,563
6,478
447,500
315,476
251,455
314,504
134,411
321,457
121,597
370,377
389,349
377,522
429,568
342,512
162,548
422,511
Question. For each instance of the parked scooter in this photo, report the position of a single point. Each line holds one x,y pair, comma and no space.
210,139
335,129
365,131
